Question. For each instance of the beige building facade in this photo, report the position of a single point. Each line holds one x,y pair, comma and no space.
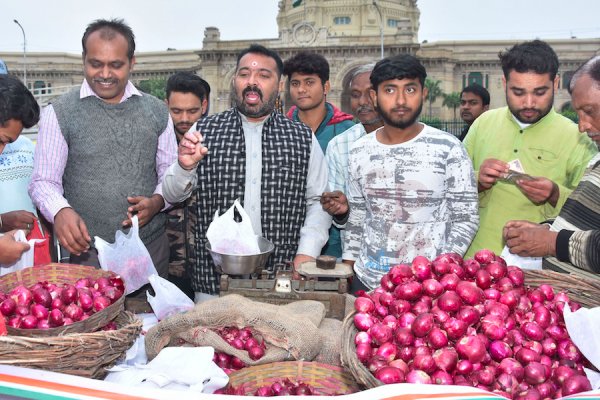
348,33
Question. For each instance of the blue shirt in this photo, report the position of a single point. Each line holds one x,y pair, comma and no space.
16,167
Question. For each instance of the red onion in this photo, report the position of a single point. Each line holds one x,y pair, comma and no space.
525,356
400,273
421,268
549,346
532,331
29,322
404,336
568,351
389,375
512,367
391,321
256,353
455,328
449,281
364,351
469,292
56,318
485,376
100,303
22,296
499,350
492,294
375,363
406,353
387,351
504,284
483,279
463,367
440,377
484,256
457,270
446,359
516,275
39,311
363,321
74,312
432,287
440,267
424,362
408,291
41,296
387,283
496,270
422,324
471,348
438,315
561,373
557,332
68,294
22,310
449,301
437,338
8,306
406,320
548,291
399,307
420,307
575,384
535,373
42,324
400,364
417,376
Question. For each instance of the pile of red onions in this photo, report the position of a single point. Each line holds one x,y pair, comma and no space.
241,339
47,305
469,322
278,388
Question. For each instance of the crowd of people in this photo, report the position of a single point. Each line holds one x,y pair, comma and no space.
373,193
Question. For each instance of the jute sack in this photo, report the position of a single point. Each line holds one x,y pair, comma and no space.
290,331
329,329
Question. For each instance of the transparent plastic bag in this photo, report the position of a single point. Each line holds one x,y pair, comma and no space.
127,257
26,259
168,299
226,236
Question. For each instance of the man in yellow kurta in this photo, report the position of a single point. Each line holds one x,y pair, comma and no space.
530,135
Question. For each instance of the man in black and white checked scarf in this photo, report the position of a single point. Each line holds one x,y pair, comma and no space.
252,152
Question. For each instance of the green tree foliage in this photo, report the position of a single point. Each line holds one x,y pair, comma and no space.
452,100
434,91
157,87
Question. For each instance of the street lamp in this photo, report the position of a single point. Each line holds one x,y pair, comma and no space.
24,53
380,25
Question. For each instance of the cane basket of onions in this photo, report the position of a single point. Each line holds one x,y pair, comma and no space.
82,354
476,322
322,379
59,274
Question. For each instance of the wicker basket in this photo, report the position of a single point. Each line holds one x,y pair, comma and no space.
581,290
82,354
61,273
349,359
326,380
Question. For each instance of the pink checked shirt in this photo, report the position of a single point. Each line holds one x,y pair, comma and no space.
46,189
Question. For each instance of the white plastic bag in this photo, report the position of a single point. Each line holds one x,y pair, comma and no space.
127,257
26,259
522,262
226,236
168,298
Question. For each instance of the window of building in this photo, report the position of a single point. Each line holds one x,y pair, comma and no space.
475,77
39,87
341,20
392,23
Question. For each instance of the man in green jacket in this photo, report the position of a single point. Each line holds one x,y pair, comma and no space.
308,80
527,136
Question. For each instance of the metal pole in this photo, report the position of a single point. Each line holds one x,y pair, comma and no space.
24,53
380,25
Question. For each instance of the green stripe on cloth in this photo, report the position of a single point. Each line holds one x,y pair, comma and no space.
33,395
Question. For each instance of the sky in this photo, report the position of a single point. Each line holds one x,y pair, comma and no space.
57,25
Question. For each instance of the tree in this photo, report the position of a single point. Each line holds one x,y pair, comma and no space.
157,87
452,100
434,91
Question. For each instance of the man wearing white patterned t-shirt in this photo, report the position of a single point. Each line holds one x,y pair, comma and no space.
411,187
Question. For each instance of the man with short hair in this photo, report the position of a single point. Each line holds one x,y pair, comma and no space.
253,153
572,242
336,202
529,137
474,101
18,110
308,81
411,187
187,99
102,151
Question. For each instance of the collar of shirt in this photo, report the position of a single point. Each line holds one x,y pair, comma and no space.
87,91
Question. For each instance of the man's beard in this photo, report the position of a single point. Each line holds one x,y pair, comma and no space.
398,123
540,112
255,111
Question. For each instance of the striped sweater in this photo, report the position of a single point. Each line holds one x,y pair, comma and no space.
578,224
